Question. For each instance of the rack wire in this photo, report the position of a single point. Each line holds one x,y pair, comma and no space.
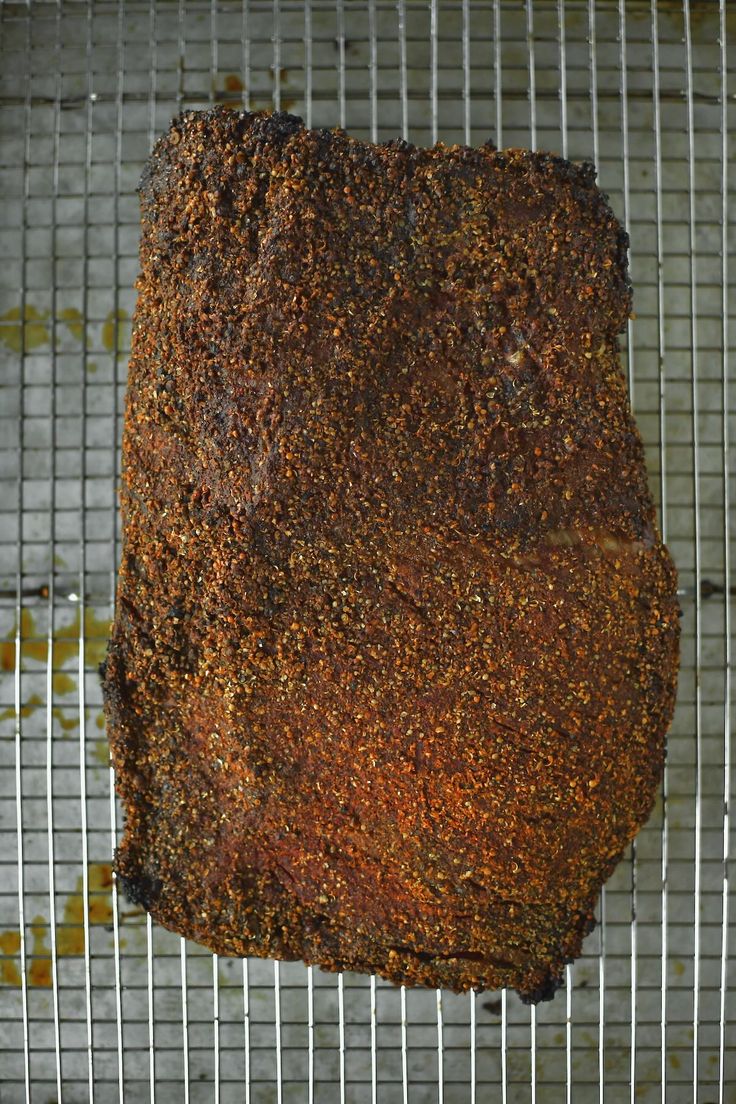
98,1004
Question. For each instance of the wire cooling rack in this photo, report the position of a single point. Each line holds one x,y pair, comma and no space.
95,1002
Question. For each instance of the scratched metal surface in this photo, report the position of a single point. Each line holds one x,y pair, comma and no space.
95,1003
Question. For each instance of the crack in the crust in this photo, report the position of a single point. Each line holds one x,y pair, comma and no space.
406,598
469,956
573,538
568,538
284,871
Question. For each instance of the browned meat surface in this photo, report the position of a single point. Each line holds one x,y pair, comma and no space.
396,640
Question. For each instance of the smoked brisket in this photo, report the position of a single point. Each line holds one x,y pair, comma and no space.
396,638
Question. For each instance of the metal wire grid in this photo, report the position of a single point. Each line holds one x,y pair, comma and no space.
97,1004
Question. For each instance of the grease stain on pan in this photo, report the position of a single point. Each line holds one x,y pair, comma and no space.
234,86
26,335
28,707
10,946
114,332
36,328
69,932
101,752
33,645
74,321
39,972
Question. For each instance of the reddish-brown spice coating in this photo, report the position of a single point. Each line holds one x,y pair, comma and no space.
395,647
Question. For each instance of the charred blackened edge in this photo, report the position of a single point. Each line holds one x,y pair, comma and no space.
544,992
281,125
547,989
143,889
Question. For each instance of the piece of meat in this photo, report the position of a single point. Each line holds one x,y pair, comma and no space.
396,640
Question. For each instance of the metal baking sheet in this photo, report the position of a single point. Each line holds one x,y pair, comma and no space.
95,1002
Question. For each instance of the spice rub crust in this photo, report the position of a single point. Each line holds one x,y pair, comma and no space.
396,639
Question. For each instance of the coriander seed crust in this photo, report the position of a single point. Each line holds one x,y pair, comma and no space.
396,639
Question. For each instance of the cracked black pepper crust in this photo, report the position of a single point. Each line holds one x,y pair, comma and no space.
395,646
